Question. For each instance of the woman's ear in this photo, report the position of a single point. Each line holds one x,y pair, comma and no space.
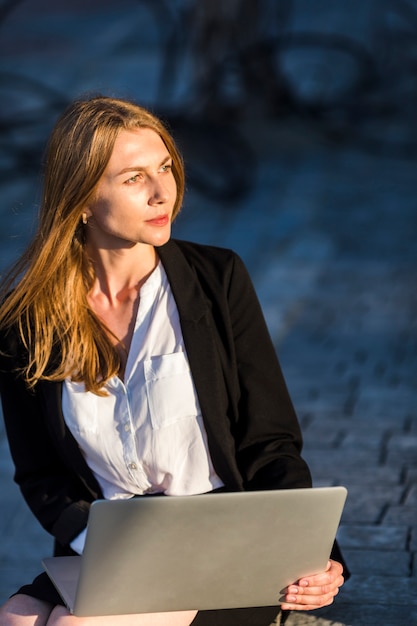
86,214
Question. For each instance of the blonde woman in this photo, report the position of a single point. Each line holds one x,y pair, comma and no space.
102,297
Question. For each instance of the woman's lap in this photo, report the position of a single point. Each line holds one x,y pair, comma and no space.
43,589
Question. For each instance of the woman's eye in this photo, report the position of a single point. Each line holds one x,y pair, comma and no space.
167,167
134,179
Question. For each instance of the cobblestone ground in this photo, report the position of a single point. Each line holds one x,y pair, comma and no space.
329,233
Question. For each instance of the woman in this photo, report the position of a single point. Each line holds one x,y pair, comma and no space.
132,364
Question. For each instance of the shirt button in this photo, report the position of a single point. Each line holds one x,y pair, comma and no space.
127,428
133,466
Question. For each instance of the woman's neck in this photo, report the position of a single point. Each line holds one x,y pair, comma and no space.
115,294
120,274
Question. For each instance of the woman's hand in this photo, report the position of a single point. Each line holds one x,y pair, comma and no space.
315,591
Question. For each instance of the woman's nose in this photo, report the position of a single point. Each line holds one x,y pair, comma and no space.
159,193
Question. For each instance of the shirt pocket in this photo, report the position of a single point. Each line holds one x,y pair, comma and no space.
170,389
80,410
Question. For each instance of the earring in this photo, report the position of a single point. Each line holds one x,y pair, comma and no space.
85,218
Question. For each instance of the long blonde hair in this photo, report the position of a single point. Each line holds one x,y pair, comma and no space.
48,303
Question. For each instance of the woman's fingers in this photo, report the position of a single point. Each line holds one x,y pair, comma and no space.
315,591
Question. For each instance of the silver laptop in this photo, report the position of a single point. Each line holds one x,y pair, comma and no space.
215,551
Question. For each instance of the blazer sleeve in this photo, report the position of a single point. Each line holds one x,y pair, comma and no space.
53,491
268,436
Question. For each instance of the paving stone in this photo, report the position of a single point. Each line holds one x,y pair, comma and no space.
359,614
366,426
368,505
355,441
403,443
380,562
406,515
413,538
325,439
303,619
356,459
411,475
414,564
411,498
386,590
365,478
373,537
403,457
380,405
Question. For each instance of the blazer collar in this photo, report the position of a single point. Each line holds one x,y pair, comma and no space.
192,303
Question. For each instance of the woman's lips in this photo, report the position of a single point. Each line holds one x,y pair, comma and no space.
159,220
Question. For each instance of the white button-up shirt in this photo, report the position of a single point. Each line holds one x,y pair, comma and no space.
147,435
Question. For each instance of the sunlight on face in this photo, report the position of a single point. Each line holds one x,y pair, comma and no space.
136,195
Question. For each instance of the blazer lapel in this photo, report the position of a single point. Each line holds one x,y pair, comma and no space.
200,341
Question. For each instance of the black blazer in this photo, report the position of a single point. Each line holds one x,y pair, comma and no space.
253,433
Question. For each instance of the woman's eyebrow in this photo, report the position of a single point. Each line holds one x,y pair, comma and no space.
138,168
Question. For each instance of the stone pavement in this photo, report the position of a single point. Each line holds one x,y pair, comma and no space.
328,231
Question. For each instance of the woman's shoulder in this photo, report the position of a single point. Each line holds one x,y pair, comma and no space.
205,254
213,267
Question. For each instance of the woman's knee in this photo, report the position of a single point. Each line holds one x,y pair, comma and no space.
23,610
60,616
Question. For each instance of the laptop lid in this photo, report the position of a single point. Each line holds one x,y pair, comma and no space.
222,550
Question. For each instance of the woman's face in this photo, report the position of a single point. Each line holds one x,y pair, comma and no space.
136,194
